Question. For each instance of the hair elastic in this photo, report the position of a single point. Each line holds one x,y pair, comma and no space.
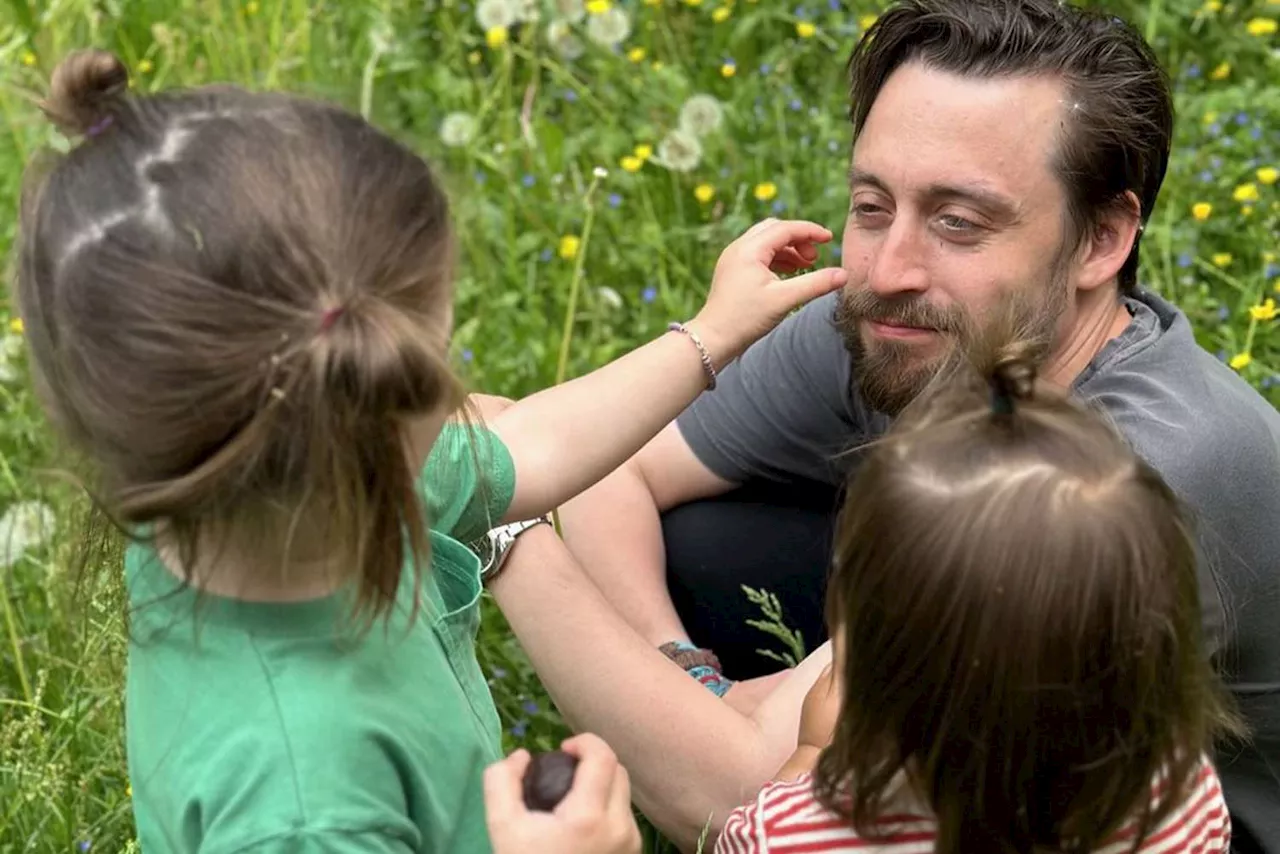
330,317
1001,401
99,126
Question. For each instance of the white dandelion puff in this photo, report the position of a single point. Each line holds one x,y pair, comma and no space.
24,526
701,115
609,297
458,129
571,11
600,172
527,11
680,151
495,14
611,27
562,40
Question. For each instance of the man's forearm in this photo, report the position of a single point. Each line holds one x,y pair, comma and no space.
691,757
615,532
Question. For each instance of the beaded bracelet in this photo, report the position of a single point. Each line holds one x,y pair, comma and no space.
707,365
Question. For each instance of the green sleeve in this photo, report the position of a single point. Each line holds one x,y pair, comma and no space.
329,842
468,481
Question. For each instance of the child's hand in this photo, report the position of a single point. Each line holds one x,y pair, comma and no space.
748,298
594,818
820,711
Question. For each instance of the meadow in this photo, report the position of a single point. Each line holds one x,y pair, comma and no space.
598,157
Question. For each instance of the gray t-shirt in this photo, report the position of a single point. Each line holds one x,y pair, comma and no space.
788,411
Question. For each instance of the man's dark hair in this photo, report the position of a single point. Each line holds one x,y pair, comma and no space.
1119,123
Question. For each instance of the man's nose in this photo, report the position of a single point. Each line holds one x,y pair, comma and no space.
897,267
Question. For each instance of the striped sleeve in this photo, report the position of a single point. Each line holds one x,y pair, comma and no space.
1201,825
741,832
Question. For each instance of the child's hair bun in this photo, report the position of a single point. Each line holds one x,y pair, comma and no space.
85,87
1012,375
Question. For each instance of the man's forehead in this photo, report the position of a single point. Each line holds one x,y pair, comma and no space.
929,127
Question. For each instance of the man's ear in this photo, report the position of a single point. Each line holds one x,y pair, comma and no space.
1107,245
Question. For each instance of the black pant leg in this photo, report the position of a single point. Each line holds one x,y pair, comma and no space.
767,537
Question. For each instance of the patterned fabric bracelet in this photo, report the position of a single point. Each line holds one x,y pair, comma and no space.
708,366
701,664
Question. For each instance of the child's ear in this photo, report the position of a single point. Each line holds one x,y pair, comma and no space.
1107,245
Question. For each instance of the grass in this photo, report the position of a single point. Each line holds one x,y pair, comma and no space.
561,270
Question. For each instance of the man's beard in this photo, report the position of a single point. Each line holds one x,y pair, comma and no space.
890,374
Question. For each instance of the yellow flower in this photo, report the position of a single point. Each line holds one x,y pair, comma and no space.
721,14
1241,361
1268,257
28,58
766,191
636,54
474,57
644,151
1266,311
1213,6
866,21
1221,72
1268,175
569,246
653,2
1201,211
496,37
729,69
146,66
1261,26
805,29
15,326
598,7
251,8
1222,259
693,2
1246,193
632,164
1210,117
704,193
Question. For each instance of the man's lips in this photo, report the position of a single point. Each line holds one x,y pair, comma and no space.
887,329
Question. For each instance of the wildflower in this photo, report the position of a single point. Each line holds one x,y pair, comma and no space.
1222,259
1265,311
636,54
721,14
631,164
704,193
85,844
1261,26
600,172
251,8
1246,193
496,37
28,58
519,728
146,66
1201,211
693,2
657,65
467,356
16,326
598,7
570,11
612,299
457,129
495,14
653,2
644,151
569,245
729,68
766,191
680,151
1221,72
527,11
609,27
866,21
649,294
1268,175
614,200
805,29
562,40
701,115
1240,361
25,525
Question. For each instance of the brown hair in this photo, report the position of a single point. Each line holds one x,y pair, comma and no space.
236,303
1117,135
1017,596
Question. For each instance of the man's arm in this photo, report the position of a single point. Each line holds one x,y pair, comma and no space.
692,759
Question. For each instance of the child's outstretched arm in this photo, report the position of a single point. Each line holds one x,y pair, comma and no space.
566,438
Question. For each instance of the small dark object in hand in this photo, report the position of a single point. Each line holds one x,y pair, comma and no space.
548,779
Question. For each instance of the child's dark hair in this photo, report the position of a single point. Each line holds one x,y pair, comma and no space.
1015,593
236,304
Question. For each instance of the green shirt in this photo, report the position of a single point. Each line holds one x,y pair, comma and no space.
256,727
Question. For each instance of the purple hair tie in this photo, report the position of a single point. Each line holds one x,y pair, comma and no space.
99,126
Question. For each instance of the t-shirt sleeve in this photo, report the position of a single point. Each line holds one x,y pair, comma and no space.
329,842
468,481
780,412
742,832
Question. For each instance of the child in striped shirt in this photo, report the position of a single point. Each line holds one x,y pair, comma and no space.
1017,649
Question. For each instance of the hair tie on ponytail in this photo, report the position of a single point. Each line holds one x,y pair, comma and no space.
99,126
1001,400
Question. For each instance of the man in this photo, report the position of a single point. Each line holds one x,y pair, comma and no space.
1006,153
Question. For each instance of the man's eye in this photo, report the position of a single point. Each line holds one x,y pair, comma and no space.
951,222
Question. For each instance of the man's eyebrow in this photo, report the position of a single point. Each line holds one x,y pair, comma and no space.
1000,205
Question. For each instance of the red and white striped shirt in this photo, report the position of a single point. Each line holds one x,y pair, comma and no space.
785,818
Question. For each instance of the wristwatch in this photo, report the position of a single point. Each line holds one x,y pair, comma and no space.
494,547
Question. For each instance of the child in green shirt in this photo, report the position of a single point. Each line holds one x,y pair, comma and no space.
239,308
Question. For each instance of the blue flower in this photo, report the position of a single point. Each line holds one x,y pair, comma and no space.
649,294
467,356
802,13
530,707
1242,118
570,95
520,728
1193,71
833,5
765,68
85,845
1224,313
1184,260
614,200
1271,272
498,672
1206,177
1255,132
779,206
1215,161
1215,129
528,180
480,176
544,255
796,104
837,251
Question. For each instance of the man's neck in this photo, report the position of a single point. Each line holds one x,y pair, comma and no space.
1098,320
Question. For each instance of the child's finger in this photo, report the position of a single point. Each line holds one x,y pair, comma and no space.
620,795
802,289
787,232
504,788
788,260
593,778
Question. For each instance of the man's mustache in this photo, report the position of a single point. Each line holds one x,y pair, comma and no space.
905,311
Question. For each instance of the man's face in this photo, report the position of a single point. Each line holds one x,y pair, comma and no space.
954,210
